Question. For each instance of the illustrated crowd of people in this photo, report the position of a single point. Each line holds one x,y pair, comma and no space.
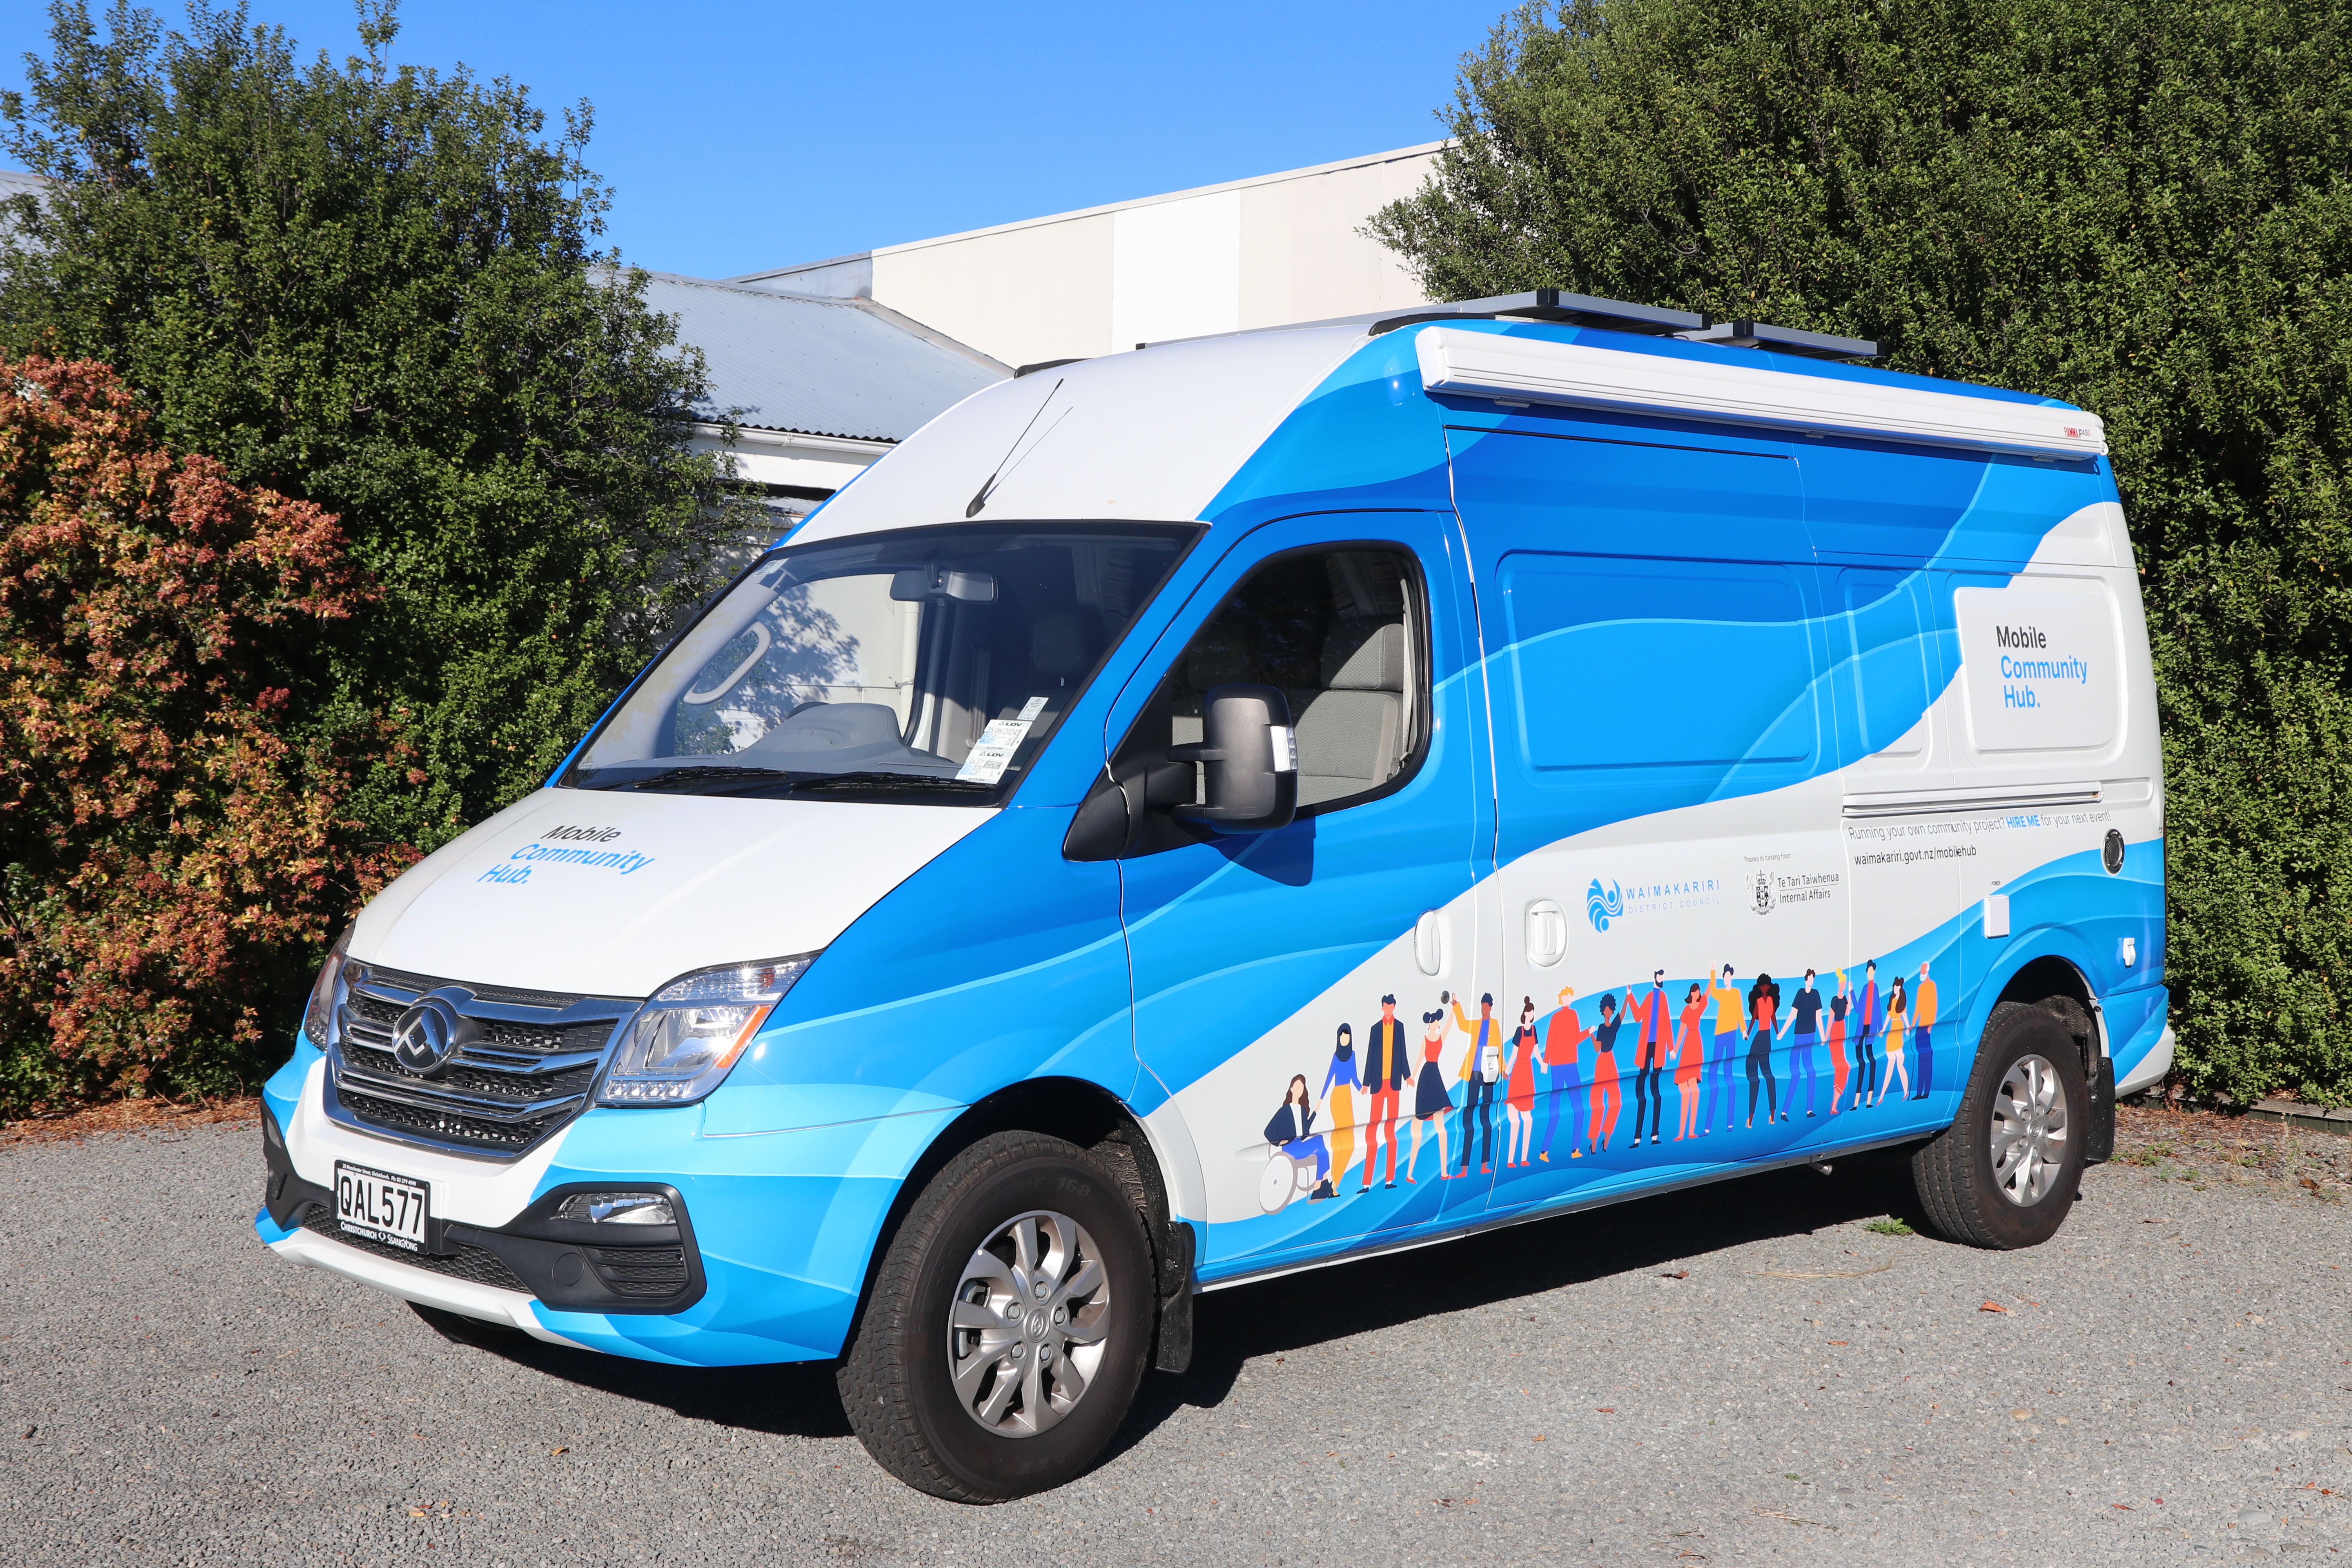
1859,1039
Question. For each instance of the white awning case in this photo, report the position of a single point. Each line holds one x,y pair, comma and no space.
1524,370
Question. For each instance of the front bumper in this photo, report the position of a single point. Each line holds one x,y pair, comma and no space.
567,1265
779,1227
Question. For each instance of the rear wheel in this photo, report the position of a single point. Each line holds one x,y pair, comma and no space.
2006,1172
1008,1326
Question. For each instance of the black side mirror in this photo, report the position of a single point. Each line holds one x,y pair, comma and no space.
1251,760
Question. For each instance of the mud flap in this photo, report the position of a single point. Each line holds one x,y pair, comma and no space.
1172,1340
2099,1138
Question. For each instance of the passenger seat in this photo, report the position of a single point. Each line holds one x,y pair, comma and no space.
1351,733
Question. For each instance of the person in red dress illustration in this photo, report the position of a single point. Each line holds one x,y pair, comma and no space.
1431,1101
1519,1090
1837,1045
1690,1059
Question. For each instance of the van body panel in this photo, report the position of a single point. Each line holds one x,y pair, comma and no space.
2142,1037
997,963
1363,438
1867,669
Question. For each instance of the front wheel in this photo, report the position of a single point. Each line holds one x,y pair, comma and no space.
2007,1171
1008,1326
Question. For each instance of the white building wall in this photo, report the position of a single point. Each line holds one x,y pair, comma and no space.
1176,269
1036,292
1252,253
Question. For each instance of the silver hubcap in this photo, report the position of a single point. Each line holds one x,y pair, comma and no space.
1026,1333
2029,1131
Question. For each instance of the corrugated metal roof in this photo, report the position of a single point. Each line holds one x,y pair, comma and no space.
818,367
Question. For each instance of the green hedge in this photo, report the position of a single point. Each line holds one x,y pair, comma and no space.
2139,206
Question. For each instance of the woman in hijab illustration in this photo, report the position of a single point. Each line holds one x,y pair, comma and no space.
1898,1019
1292,1131
1431,1101
1339,1086
1519,1097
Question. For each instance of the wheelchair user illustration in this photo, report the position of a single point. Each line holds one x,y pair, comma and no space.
1300,1161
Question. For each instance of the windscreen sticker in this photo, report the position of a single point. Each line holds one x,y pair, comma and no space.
1031,708
992,753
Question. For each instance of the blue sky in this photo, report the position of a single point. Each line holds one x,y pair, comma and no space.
740,137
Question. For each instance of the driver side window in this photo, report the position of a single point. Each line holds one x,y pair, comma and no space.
1338,631
1342,631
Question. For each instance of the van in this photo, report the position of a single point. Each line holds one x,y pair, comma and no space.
1262,800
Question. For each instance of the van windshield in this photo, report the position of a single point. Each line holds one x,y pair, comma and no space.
930,664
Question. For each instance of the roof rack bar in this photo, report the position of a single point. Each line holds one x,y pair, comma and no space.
1782,339
1555,305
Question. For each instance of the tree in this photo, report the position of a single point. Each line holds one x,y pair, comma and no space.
372,288
2140,207
170,860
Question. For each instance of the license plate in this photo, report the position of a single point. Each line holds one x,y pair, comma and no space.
380,1205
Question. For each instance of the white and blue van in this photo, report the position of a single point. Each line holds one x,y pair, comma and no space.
1206,812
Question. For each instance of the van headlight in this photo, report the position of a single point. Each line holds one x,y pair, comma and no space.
327,994
688,1035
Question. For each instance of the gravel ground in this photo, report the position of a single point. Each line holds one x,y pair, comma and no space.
1743,1373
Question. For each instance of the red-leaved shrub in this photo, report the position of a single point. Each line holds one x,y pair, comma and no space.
174,848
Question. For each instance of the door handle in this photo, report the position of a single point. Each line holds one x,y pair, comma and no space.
1429,942
1547,932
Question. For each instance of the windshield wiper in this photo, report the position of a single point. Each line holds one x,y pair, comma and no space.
876,780
674,775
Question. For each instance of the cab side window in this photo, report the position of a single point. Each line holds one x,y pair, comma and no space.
1341,633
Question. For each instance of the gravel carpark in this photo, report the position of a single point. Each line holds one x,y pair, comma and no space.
1746,1372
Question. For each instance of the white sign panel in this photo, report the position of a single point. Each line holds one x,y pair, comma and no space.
2040,665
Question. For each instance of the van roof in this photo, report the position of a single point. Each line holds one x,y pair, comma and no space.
1189,431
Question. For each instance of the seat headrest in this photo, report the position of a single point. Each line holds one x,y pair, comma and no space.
1364,655
1065,642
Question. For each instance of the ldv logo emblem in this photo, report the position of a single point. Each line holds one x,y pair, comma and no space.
427,1034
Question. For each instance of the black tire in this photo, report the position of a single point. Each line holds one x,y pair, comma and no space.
1957,1181
896,1375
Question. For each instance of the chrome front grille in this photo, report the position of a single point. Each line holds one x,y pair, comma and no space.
523,1068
